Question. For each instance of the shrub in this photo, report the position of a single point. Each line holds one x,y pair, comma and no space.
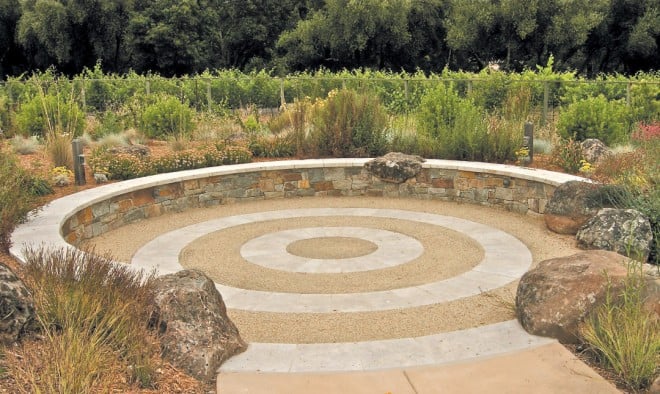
568,155
456,127
272,146
59,148
624,335
16,197
24,145
167,117
47,113
95,316
595,117
126,166
350,124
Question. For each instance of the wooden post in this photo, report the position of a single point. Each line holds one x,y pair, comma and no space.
209,96
528,140
78,161
546,94
282,99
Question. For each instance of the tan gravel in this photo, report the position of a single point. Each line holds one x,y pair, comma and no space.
447,253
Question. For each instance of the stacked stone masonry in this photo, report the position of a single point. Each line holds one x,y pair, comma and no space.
485,187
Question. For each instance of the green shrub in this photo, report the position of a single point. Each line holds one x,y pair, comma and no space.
272,146
126,166
568,155
95,315
24,145
456,127
17,198
595,117
44,114
624,335
350,124
167,117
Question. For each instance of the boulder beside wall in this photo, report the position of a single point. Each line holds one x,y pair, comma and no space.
553,298
17,314
395,167
625,231
196,334
570,207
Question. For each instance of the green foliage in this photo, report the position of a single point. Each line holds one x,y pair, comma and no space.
16,197
272,146
350,124
126,166
92,311
595,117
23,145
44,113
454,125
167,117
624,335
568,155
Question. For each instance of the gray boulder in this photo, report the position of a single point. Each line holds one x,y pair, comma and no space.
570,207
553,298
594,149
625,231
17,315
196,334
395,167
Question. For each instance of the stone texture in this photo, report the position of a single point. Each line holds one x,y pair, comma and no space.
625,231
569,208
553,298
17,315
395,167
594,149
196,334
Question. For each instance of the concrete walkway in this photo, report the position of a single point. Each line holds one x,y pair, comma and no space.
547,369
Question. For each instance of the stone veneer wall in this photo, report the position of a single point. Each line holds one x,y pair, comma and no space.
481,186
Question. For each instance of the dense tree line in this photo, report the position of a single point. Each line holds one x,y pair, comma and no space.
175,37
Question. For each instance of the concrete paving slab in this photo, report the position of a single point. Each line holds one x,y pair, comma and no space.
547,369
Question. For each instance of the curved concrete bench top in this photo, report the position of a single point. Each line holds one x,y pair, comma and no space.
43,227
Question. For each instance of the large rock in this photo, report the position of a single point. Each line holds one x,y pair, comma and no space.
594,149
196,334
553,298
570,207
17,315
625,231
395,167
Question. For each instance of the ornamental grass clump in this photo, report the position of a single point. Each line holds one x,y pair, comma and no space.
623,335
94,316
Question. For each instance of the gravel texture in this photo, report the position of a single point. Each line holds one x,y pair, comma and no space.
447,253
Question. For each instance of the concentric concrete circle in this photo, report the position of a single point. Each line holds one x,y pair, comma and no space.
270,250
505,259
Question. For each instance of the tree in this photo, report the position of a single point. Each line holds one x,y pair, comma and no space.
349,34
74,34
526,31
250,28
175,37
10,55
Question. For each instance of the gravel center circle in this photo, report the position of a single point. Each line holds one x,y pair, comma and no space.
331,248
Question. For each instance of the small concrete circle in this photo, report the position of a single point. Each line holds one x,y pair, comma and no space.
270,250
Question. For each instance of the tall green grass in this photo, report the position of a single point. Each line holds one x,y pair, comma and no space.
94,315
625,336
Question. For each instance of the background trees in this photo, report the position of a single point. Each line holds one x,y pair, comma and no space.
188,36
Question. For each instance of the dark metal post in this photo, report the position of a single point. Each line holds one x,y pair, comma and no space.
78,161
528,139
